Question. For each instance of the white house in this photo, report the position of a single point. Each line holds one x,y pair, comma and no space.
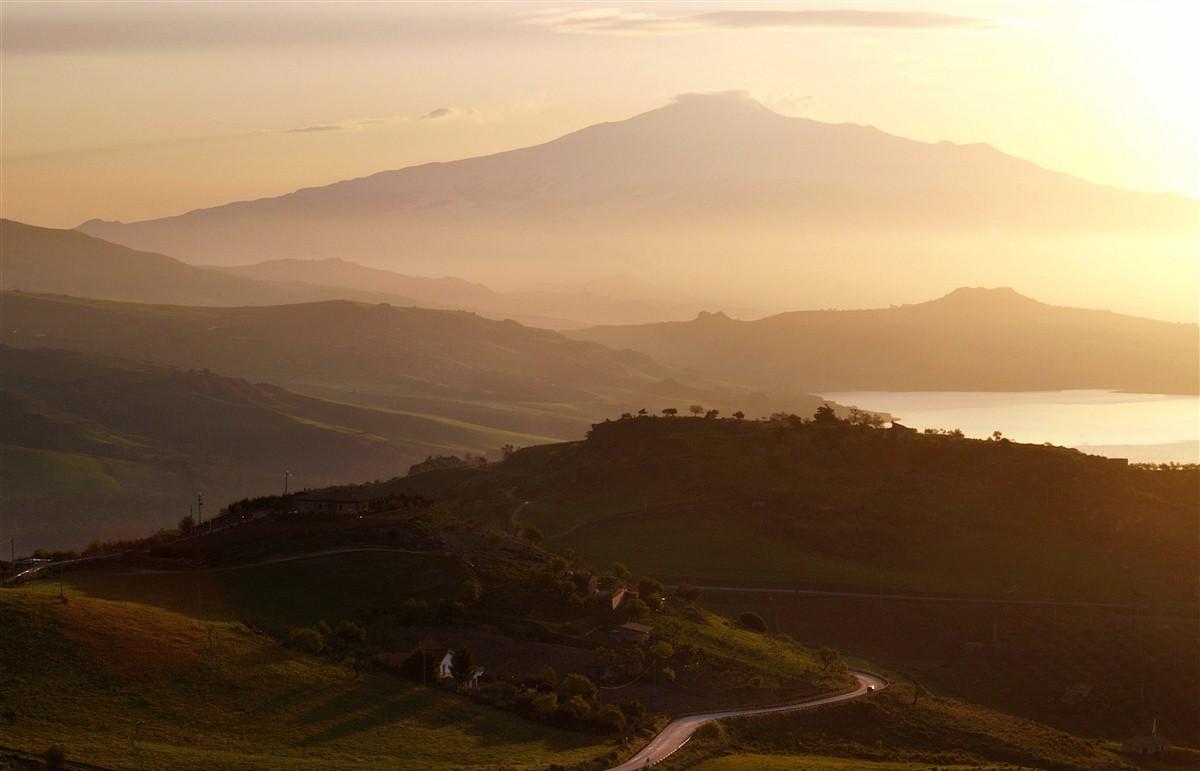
445,667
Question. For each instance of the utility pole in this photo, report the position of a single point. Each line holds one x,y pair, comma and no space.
199,509
286,474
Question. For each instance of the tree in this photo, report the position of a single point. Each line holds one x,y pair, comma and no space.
670,412
462,665
349,635
558,565
826,415
532,535
831,660
545,704
651,590
576,684
997,436
620,571
711,414
306,639
187,524
739,415
577,707
662,650
696,409
610,715
635,610
687,592
507,451
865,418
753,622
626,416
548,676
643,412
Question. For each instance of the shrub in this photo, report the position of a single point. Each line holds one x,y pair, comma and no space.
753,622
687,593
350,634
576,684
533,535
713,732
545,704
611,717
576,707
635,610
306,639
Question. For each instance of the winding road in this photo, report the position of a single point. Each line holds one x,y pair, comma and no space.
680,730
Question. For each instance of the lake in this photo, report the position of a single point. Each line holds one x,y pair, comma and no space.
1142,427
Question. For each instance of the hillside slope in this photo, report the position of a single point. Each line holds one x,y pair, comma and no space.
69,262
972,339
783,504
99,447
419,361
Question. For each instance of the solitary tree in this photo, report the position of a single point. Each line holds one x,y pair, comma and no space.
187,524
739,415
696,409
670,412
825,415
643,412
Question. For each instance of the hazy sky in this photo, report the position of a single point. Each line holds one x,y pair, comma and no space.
135,110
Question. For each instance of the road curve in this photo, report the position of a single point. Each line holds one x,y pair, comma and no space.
679,731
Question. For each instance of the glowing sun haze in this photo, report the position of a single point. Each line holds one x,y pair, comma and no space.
129,111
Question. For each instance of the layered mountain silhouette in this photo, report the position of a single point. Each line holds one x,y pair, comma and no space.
973,339
57,261
717,189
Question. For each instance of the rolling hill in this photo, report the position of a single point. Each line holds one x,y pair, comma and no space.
972,339
100,447
817,213
449,364
784,503
569,307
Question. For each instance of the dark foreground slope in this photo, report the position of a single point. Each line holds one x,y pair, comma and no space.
969,340
95,447
803,504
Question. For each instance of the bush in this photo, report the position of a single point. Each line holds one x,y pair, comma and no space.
753,622
576,684
545,704
713,732
533,535
635,610
306,639
350,634
611,716
687,593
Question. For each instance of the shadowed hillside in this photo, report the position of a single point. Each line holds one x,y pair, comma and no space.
969,340
99,447
784,503
425,362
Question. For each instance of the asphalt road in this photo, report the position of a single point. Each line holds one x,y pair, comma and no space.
679,731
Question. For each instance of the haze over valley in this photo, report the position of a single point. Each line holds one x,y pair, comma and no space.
706,387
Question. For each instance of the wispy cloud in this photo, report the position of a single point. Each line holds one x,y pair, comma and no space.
357,124
614,21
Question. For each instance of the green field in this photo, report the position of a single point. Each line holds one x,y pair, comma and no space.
29,472
128,686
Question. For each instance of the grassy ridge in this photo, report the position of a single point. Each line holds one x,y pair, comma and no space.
129,686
